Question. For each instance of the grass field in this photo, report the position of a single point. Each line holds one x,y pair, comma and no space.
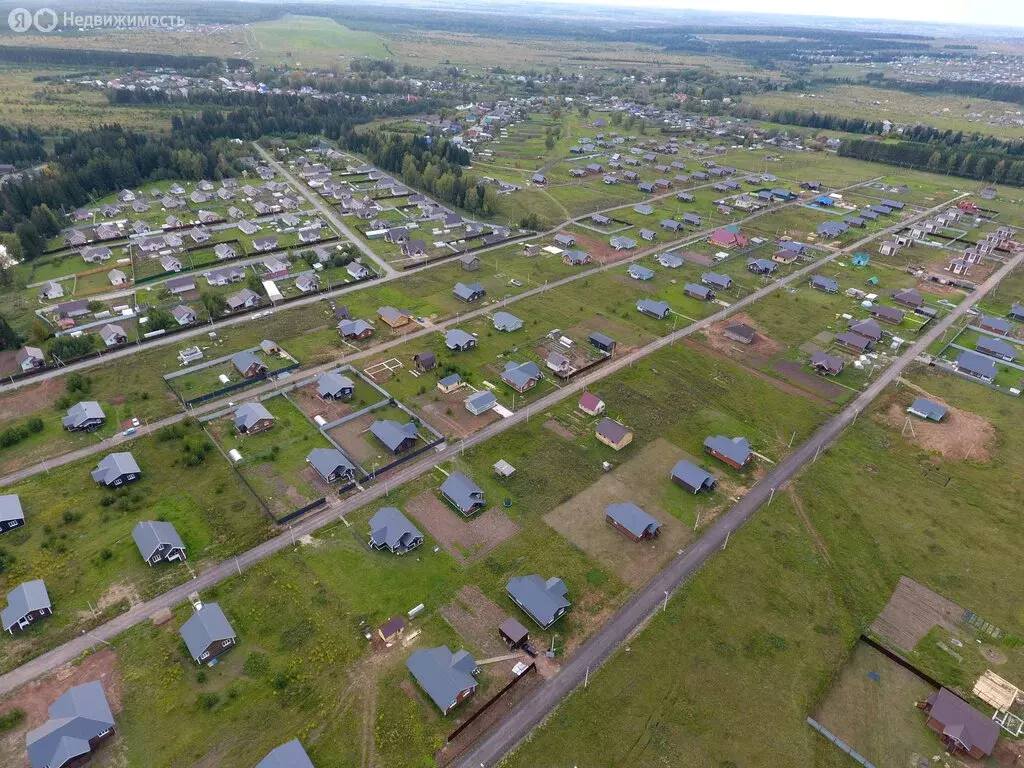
312,41
77,535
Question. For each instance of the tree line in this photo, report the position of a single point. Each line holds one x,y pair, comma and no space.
970,163
21,146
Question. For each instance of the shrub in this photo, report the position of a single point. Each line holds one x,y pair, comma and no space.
209,700
70,516
201,676
255,665
11,719
106,554
107,500
6,561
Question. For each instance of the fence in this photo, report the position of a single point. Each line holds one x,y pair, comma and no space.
237,385
839,743
492,701
895,657
299,512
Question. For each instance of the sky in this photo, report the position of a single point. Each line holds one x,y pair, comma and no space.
988,12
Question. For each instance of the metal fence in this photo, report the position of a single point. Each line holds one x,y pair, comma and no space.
237,385
839,743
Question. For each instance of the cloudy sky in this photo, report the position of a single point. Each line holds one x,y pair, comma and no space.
994,12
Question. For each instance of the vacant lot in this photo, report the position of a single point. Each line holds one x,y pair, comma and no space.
641,481
466,540
870,706
476,618
961,435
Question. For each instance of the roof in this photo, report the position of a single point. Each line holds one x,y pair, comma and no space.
450,380
736,449
390,528
442,674
975,363
481,401
689,473
457,338
10,508
289,755
462,492
742,330
602,339
670,260
328,460
613,430
591,402
390,314
640,272
151,535
519,374
854,340
632,518
888,313
464,291
997,347
543,600
909,296
79,715
332,383
393,434
824,283
243,361
867,328
698,290
659,308
927,409
354,327
206,626
996,323
963,722
251,413
506,321
25,598
513,630
81,412
113,465
827,361
716,279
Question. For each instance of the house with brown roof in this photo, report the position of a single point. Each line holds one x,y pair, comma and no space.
961,728
614,434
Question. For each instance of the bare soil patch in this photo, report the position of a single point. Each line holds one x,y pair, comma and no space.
993,655
116,593
599,251
36,697
911,612
793,371
476,618
307,401
759,352
696,257
465,540
27,400
355,441
581,520
460,422
8,361
927,286
559,430
961,435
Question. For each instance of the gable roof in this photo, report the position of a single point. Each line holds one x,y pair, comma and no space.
467,292
506,321
393,434
288,755
442,674
963,722
25,598
978,364
113,465
736,449
542,600
390,528
481,401
457,338
632,518
151,535
462,492
927,409
867,328
650,306
79,715
996,347
690,474
612,430
332,383
79,413
326,461
518,375
995,323
10,508
205,626
250,413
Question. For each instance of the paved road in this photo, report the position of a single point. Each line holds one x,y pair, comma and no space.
374,351
318,203
532,710
338,510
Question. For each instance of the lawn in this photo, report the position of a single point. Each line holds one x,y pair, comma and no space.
77,533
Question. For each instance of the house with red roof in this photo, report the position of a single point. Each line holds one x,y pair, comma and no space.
729,237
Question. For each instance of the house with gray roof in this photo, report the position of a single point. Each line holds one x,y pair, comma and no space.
446,677
462,493
184,314
355,329
335,386
826,364
995,325
699,292
824,284
11,514
564,240
658,309
927,409
80,720
85,416
735,452
640,272
116,469
26,603
469,293
543,601
113,335
244,299
459,340
480,402
506,321
179,285
1017,312
575,258
450,383
670,260
332,465
158,542
248,364
252,417
621,243
521,376
760,266
716,280
691,477
391,530
30,358
396,437
207,633
630,520
289,755
868,328
996,348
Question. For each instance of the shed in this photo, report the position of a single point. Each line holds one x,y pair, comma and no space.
513,633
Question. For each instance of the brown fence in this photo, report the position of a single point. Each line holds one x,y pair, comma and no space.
515,681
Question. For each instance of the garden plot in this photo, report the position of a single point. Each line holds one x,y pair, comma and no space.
476,618
465,540
870,706
581,520
448,410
